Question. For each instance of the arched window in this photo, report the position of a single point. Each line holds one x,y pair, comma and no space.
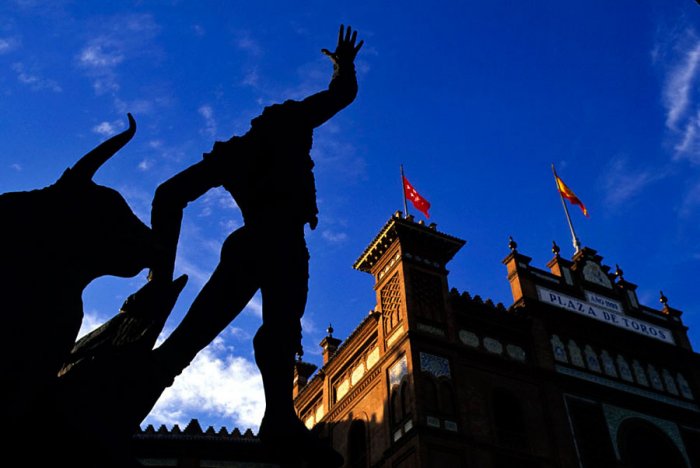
400,401
357,445
508,418
658,448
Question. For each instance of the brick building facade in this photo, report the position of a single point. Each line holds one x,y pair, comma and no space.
575,373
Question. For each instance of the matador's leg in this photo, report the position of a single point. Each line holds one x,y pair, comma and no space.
223,297
284,293
284,287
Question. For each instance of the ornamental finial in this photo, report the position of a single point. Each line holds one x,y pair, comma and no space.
330,330
618,272
555,249
512,245
663,299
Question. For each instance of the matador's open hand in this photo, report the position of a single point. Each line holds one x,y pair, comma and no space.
346,50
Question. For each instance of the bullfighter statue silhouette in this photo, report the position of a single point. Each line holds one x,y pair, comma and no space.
268,172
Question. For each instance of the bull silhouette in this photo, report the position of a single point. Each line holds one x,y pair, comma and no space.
54,242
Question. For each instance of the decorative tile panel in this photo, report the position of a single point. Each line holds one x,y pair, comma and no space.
639,374
469,338
433,330
451,425
492,345
342,389
357,374
516,352
655,378
625,371
437,366
669,382
558,349
608,364
395,335
593,273
591,359
372,358
575,353
320,412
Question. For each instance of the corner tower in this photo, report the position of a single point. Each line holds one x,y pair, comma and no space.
408,261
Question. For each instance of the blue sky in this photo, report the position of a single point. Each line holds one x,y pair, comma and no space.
475,99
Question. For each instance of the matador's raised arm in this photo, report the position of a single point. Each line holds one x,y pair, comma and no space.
342,89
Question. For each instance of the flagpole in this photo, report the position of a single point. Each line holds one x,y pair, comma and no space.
403,191
576,242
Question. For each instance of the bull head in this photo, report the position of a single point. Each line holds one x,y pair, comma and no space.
105,234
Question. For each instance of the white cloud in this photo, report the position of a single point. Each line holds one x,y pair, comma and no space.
255,306
679,84
117,40
96,56
34,81
308,325
100,61
334,237
8,44
240,334
680,95
104,129
17,167
622,182
227,387
246,43
145,165
207,112
251,78
215,199
104,85
230,224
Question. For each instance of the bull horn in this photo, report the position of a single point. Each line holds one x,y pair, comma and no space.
91,162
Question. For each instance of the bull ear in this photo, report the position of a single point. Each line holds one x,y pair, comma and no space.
89,164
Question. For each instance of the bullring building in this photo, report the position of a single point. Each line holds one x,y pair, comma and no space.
574,373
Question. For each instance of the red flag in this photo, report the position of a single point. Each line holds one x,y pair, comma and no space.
419,202
567,193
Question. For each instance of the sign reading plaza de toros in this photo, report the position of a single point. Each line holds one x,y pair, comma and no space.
603,311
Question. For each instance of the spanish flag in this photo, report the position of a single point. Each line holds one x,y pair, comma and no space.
569,194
